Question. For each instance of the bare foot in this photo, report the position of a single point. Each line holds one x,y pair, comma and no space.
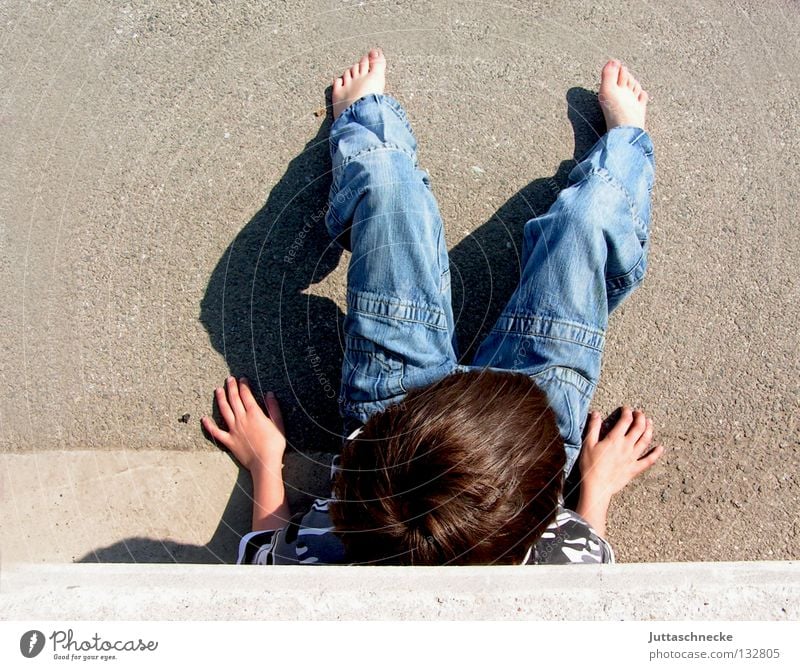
621,97
365,77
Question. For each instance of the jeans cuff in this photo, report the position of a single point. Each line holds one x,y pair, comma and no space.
625,154
635,136
372,120
370,99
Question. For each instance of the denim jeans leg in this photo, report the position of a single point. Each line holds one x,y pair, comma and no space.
580,261
399,330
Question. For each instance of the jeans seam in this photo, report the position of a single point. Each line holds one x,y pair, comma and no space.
556,368
589,331
399,110
611,180
575,386
635,140
552,337
354,310
392,301
391,364
611,287
330,211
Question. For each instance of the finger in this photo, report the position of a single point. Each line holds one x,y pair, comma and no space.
638,426
274,411
647,461
623,423
216,433
233,397
643,443
224,407
246,394
592,430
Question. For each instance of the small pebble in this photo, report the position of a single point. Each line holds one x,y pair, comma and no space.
185,418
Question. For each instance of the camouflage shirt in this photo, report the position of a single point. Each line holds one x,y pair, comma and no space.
310,539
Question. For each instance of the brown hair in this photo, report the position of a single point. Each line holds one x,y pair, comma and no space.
467,470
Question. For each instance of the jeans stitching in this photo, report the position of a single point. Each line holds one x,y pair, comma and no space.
617,285
353,295
647,152
590,385
599,334
396,318
331,212
554,372
392,301
611,180
551,337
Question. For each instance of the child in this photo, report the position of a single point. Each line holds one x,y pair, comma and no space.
447,463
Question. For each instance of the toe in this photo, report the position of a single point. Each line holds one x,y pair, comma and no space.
622,80
354,71
363,64
643,97
346,77
637,89
611,71
377,61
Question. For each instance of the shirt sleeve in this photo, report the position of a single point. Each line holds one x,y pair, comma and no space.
570,539
308,538
257,548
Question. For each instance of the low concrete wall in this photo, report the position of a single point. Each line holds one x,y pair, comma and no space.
697,591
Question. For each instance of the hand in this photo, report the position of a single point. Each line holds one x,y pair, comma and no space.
255,439
608,464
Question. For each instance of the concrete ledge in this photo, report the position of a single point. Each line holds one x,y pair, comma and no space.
644,591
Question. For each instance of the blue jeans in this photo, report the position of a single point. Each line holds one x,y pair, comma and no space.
580,260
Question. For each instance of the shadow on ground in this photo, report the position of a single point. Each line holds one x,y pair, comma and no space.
260,319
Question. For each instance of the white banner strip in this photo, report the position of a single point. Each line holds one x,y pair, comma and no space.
355,644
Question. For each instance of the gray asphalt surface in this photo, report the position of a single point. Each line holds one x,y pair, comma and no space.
159,158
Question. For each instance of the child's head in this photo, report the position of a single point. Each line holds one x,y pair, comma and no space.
465,471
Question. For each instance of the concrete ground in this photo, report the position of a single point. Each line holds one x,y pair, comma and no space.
159,158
